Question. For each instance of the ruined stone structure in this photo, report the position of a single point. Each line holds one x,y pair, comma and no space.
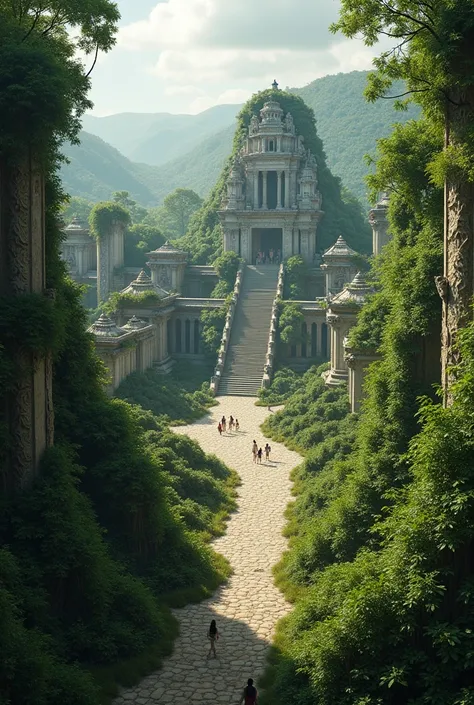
273,202
341,317
27,410
338,266
379,222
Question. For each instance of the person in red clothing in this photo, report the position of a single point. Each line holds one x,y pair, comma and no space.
249,696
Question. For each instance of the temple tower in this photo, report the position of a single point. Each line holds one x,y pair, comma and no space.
379,222
339,266
272,198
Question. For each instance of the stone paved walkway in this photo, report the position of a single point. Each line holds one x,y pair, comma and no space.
249,605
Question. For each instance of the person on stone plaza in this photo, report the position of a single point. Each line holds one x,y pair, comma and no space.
272,254
224,423
259,455
219,428
250,695
278,257
254,451
267,451
237,425
231,423
213,636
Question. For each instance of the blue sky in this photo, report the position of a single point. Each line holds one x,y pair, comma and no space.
188,55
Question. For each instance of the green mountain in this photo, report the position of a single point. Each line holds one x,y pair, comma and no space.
349,126
190,150
157,138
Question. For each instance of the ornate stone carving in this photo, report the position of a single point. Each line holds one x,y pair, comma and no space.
442,286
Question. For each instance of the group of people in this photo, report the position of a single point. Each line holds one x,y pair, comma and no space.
249,696
233,425
270,257
258,452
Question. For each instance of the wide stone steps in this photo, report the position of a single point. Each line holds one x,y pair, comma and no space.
248,344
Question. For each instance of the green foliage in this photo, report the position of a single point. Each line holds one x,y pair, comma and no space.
285,383
118,300
105,215
227,266
290,323
296,273
76,206
179,397
213,321
139,240
401,617
137,212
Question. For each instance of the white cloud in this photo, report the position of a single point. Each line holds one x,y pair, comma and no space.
187,55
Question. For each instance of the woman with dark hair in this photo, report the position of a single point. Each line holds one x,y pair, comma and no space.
249,696
213,636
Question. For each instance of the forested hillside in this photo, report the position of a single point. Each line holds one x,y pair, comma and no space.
158,138
350,126
192,152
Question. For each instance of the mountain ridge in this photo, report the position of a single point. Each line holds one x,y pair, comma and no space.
347,125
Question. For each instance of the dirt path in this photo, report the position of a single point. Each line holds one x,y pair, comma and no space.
248,607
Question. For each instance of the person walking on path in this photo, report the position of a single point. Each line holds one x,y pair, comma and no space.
213,636
231,423
250,695
259,454
219,428
237,426
254,451
223,422
267,451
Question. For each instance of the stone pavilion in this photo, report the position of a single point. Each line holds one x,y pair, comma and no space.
273,201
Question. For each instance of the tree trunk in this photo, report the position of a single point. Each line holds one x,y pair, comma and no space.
458,288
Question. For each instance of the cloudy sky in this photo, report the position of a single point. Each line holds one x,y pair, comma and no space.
188,55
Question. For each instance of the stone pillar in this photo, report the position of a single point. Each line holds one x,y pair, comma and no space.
279,190
378,219
264,200
338,373
255,189
246,244
27,409
287,189
103,268
287,242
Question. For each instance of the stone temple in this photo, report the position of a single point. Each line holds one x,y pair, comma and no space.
273,200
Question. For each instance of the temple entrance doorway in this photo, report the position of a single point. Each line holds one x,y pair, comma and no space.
264,240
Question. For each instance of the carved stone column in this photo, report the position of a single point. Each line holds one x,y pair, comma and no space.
28,408
255,190
279,190
287,189
264,200
103,268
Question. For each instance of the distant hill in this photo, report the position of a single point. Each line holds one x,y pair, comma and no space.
157,138
348,125
166,151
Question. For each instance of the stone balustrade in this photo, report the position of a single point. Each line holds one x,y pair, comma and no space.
272,342
221,355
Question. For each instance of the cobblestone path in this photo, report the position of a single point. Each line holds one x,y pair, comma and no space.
248,606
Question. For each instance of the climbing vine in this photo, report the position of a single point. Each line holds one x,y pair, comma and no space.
105,215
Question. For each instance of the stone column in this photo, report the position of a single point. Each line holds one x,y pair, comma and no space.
264,200
255,189
27,409
287,242
279,190
287,189
103,268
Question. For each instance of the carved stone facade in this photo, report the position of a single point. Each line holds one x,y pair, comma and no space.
338,266
167,265
28,408
379,221
341,317
273,201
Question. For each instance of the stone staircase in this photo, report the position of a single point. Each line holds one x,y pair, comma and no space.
245,359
